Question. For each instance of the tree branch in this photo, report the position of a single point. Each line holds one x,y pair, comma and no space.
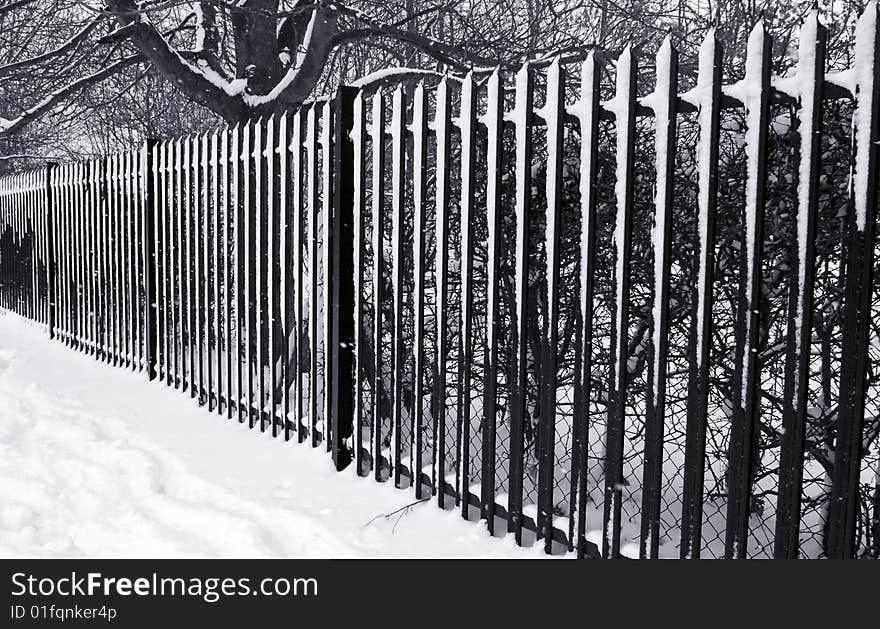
5,158
312,54
217,95
447,53
10,127
69,45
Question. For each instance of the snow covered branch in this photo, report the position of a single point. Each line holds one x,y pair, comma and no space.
9,127
63,49
189,79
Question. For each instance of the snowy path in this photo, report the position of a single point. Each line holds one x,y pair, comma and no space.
96,461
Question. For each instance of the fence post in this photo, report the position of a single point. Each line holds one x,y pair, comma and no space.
518,363
859,243
665,107
466,127
708,105
441,274
625,120
147,183
493,123
745,423
398,346
553,115
341,255
420,217
50,249
802,279
588,120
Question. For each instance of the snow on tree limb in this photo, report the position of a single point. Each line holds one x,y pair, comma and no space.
192,81
293,80
64,48
9,127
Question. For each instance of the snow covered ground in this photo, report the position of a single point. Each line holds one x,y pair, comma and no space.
97,461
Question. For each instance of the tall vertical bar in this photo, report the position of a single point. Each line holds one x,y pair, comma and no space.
223,190
59,201
228,287
623,107
339,370
116,277
237,214
191,270
216,270
859,244
587,112
168,262
134,194
116,265
149,166
359,249
420,158
93,217
271,260
203,273
285,275
522,117
247,265
209,269
377,133
198,272
51,258
312,122
97,215
493,121
465,125
69,197
326,226
398,359
105,246
441,275
802,277
296,147
663,101
180,169
553,114
162,209
77,256
127,272
747,371
259,271
124,262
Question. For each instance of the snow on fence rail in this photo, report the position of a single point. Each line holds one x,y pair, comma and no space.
617,324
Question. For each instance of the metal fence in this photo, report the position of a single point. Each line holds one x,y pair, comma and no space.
604,316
